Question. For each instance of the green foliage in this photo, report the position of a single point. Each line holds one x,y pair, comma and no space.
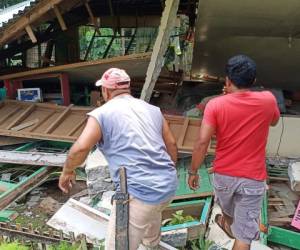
100,44
179,218
63,246
202,244
12,246
205,244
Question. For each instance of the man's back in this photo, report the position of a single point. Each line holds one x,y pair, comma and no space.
132,137
242,121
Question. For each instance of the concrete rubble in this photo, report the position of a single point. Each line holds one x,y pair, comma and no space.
98,176
294,175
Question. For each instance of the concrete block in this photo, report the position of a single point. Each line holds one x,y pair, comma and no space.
294,175
99,186
98,176
175,238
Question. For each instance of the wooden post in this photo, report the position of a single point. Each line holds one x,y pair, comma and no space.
16,84
122,213
8,87
167,23
65,88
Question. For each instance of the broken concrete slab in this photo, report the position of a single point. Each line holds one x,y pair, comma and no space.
79,218
175,238
294,175
33,158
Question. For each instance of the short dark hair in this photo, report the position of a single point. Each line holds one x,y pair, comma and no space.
241,70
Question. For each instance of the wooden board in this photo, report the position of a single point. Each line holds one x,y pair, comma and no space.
7,140
55,122
89,72
60,123
186,132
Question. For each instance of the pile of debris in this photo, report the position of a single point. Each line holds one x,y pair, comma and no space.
30,168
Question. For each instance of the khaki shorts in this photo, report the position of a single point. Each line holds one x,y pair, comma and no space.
144,224
241,199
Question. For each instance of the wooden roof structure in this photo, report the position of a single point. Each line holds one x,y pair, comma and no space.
90,71
60,123
64,13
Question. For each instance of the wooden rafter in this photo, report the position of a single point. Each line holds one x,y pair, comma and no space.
30,33
61,117
35,13
93,19
59,18
66,123
21,117
160,47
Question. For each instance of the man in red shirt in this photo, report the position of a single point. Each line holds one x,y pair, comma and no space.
240,119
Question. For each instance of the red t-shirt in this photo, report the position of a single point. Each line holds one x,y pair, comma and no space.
242,121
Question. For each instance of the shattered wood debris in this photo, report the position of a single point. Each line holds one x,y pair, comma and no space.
281,204
24,186
44,238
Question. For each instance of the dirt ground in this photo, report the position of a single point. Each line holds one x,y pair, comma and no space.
42,203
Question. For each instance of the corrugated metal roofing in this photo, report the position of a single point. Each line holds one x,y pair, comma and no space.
12,12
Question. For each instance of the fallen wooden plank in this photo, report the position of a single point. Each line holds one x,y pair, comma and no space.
77,126
42,120
24,187
274,221
25,125
59,119
272,178
21,116
61,123
79,218
5,117
7,140
32,158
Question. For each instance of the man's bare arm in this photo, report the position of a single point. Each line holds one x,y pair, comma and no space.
78,153
81,148
274,123
201,145
199,152
169,141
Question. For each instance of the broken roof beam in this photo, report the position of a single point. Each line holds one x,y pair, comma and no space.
33,15
59,18
160,47
24,187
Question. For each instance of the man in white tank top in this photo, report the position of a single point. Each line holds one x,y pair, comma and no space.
133,134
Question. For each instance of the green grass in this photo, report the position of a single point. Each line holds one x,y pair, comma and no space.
12,246
17,246
63,246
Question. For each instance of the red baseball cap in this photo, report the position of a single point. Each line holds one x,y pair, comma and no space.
112,79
